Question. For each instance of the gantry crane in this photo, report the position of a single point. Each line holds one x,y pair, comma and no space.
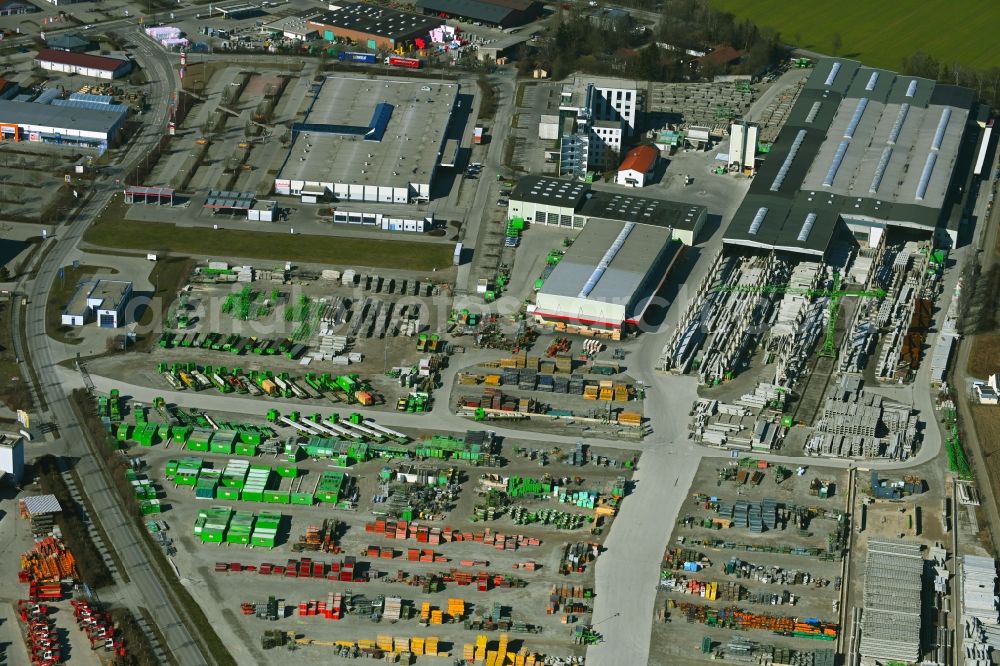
834,293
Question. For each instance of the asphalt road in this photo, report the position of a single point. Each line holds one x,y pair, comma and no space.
146,588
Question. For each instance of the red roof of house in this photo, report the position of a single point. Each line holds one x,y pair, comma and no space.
640,158
80,60
721,56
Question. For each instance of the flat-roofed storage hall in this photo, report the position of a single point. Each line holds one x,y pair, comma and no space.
608,275
373,26
369,139
864,147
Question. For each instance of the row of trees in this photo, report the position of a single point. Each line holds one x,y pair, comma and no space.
577,42
986,83
89,563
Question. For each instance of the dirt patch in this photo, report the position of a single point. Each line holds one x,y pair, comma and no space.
984,355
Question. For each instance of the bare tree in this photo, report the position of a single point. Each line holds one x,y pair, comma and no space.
837,43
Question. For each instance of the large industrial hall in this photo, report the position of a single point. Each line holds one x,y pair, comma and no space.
368,139
866,146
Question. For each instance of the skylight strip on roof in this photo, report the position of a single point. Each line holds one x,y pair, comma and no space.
792,151
859,111
834,69
838,157
872,80
942,126
606,260
897,127
806,228
911,89
925,176
811,116
883,162
758,219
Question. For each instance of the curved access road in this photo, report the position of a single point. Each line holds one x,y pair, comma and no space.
146,589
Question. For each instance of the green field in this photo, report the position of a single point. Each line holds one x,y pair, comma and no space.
335,250
883,33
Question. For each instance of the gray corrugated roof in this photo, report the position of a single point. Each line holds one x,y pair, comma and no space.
829,110
64,117
624,273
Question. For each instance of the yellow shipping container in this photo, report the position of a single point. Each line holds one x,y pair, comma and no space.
492,380
417,645
711,591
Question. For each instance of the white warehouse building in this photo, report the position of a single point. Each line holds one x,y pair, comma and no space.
376,140
48,123
104,301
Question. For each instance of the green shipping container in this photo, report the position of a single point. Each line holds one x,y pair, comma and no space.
228,493
287,471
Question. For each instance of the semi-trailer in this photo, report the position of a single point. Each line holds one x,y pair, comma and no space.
296,390
397,61
354,56
392,434
202,381
251,387
174,382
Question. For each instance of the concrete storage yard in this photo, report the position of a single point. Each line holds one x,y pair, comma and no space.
796,583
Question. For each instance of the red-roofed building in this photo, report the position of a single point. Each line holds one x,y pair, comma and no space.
638,166
720,57
85,64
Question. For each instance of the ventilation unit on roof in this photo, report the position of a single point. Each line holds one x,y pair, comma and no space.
834,69
758,219
806,228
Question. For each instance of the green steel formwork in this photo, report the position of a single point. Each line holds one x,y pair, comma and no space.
212,524
223,442
290,471
250,435
150,507
235,473
171,468
266,529
522,486
163,431
329,486
179,434
225,493
305,499
199,439
240,528
122,432
277,497
246,449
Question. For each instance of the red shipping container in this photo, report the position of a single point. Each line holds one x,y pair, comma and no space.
412,554
278,569
346,576
372,551
235,566
318,569
335,567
